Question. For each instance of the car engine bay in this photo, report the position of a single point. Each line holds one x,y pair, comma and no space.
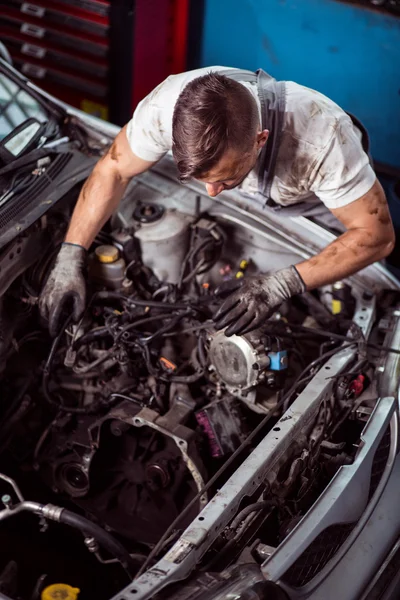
133,418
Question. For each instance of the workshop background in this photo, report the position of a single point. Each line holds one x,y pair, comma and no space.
105,55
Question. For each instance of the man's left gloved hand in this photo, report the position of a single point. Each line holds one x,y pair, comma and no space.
252,300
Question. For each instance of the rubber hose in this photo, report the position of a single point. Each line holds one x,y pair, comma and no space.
256,507
107,541
91,336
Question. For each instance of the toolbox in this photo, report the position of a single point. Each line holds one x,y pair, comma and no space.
63,46
95,54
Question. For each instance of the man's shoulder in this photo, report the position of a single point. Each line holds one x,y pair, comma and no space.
310,116
300,94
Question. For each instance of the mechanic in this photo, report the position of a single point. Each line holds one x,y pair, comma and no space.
286,147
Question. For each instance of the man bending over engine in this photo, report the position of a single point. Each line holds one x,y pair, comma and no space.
282,145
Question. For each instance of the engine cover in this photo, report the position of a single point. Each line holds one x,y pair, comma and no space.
240,361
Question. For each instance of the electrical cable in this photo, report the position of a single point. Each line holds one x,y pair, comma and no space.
132,398
140,302
135,324
338,336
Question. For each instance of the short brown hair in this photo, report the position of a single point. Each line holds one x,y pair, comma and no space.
213,114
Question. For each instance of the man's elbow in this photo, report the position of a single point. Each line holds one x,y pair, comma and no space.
387,246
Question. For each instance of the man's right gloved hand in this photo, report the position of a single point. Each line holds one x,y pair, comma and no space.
65,288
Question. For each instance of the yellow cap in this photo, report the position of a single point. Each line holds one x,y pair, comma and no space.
60,591
106,254
336,307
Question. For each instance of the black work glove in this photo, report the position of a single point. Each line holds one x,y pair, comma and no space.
65,288
252,300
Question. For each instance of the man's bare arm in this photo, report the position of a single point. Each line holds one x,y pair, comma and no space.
103,190
369,237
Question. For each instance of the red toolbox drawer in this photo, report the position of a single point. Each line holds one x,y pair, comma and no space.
86,102
34,28
43,71
100,7
62,15
18,43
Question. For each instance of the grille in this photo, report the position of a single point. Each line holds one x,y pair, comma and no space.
318,554
15,207
328,542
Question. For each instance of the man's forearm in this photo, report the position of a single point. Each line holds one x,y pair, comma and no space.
349,253
99,197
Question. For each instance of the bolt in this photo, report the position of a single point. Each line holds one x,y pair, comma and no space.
380,369
91,544
6,500
43,525
396,313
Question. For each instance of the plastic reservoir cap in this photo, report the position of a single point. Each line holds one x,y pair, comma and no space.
106,254
60,591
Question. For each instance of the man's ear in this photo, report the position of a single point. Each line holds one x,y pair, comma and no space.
262,137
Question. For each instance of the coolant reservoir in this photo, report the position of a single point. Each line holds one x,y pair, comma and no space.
60,590
164,238
106,267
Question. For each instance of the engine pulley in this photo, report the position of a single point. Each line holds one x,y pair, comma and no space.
241,362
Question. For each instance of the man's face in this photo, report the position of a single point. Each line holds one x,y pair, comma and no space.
233,167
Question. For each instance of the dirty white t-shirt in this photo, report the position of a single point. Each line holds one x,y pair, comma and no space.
320,154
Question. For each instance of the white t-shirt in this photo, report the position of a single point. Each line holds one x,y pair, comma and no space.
320,154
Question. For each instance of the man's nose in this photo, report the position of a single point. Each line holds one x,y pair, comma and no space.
213,189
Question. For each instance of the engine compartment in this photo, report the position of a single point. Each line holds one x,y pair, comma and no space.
137,415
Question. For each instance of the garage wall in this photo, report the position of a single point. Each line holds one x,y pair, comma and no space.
348,52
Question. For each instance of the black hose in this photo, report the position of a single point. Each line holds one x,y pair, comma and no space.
256,507
201,351
229,548
107,541
138,302
185,378
91,336
165,328
337,336
144,321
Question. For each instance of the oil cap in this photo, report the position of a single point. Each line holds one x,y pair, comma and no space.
106,254
60,591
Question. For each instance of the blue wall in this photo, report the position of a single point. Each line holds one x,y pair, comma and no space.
349,53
